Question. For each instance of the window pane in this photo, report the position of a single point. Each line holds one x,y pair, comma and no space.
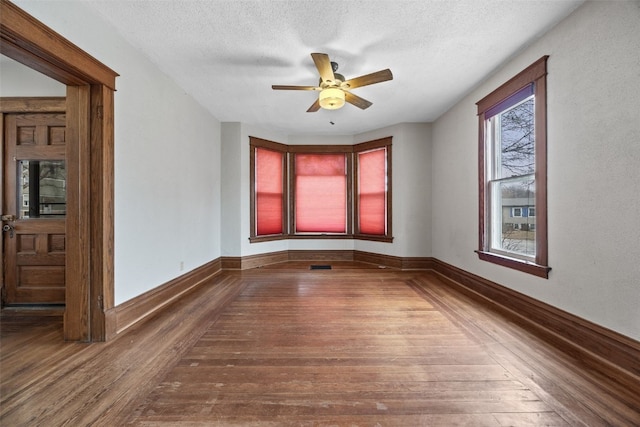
42,189
512,228
321,193
372,192
517,148
269,191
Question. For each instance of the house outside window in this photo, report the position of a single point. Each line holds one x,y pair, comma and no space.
512,163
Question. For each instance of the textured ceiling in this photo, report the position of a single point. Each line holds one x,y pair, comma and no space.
227,54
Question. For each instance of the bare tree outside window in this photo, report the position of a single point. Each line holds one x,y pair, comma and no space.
514,158
517,140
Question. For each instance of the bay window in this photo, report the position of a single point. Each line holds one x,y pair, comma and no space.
325,191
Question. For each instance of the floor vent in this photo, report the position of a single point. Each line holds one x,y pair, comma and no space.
320,267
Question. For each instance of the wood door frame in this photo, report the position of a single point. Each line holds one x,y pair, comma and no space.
90,168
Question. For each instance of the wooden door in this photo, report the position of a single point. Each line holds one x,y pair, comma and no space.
34,187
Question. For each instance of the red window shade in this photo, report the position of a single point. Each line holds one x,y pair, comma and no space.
269,193
372,192
321,193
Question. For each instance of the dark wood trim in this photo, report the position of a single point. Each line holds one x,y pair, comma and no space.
350,193
30,42
370,145
532,73
231,262
482,185
102,209
389,192
254,261
252,191
267,238
516,264
320,149
541,166
606,351
402,263
323,255
37,46
50,104
366,146
265,143
318,236
255,143
78,245
151,302
2,209
373,238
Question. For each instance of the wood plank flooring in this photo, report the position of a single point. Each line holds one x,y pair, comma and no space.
285,345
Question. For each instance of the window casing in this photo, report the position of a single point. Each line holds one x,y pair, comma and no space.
512,173
323,191
373,190
268,190
320,193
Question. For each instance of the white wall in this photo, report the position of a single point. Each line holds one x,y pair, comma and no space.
19,80
167,159
236,190
593,169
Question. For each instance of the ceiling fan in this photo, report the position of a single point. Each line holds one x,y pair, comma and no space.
334,88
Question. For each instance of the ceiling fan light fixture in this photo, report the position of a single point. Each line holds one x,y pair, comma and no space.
331,98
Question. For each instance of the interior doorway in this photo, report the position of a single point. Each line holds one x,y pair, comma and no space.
88,166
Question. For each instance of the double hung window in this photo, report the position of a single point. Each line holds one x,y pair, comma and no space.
373,184
268,187
320,193
512,162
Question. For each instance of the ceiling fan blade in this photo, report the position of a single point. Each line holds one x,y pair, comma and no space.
314,107
369,79
356,100
323,64
285,87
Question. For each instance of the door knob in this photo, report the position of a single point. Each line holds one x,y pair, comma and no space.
8,217
8,228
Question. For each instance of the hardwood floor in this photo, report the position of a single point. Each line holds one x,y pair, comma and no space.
286,345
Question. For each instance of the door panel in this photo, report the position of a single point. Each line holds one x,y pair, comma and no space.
35,208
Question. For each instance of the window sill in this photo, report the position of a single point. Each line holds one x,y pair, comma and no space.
269,238
258,239
516,264
319,236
